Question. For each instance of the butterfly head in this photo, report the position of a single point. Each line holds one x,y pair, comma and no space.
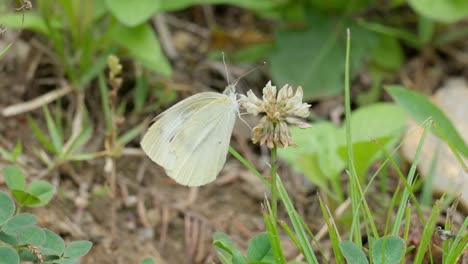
230,89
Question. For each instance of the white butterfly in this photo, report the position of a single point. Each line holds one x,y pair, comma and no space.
190,140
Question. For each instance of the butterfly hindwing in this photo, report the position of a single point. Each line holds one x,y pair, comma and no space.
202,144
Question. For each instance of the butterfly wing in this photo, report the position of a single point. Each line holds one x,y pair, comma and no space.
191,141
203,144
159,137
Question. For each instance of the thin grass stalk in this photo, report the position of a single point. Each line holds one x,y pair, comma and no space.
274,191
270,223
355,233
407,191
332,231
424,245
296,222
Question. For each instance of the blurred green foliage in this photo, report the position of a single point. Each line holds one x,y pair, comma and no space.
321,153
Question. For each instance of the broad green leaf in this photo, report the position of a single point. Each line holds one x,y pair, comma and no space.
260,249
421,108
26,256
224,245
365,153
315,154
32,235
32,22
42,190
142,44
24,198
388,250
447,11
352,253
77,249
9,256
133,13
18,223
7,208
388,53
14,177
314,57
9,239
376,121
54,244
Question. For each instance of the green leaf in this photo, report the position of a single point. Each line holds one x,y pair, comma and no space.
40,135
130,135
17,150
42,190
14,177
26,256
132,13
54,131
140,92
7,208
77,249
24,198
65,261
365,153
388,250
225,247
82,156
421,108
147,261
388,53
447,11
142,44
18,223
260,249
353,253
315,154
83,137
314,58
32,235
32,22
376,121
9,239
9,256
6,154
54,244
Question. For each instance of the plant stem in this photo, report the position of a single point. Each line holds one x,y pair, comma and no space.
274,190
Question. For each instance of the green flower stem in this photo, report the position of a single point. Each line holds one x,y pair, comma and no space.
274,190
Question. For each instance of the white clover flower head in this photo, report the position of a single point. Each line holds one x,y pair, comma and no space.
278,110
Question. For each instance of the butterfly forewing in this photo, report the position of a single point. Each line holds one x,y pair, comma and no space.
191,139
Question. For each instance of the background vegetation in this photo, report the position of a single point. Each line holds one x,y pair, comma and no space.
82,79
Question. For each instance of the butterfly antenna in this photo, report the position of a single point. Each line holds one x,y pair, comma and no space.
247,73
226,69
